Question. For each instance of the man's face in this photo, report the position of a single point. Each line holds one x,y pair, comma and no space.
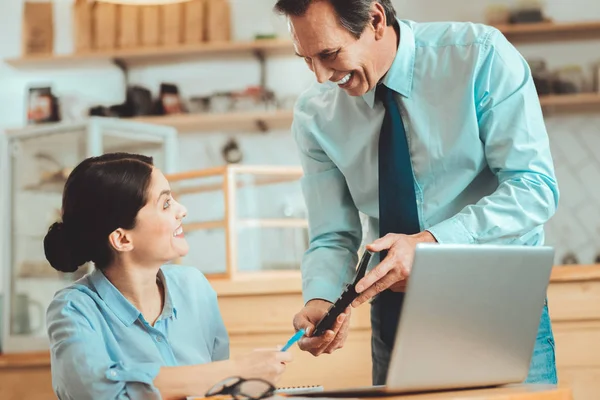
332,52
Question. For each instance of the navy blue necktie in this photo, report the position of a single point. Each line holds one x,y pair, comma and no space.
397,200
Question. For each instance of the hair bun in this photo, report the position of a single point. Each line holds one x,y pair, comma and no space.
58,249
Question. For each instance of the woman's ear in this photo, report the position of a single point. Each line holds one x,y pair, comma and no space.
120,240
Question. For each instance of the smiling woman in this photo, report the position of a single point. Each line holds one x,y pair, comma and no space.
134,327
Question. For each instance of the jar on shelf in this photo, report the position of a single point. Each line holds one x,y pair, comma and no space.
597,77
542,78
497,14
569,79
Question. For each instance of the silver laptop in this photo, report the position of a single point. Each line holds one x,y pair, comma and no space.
469,319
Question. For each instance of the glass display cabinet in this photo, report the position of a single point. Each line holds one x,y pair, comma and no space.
38,161
243,220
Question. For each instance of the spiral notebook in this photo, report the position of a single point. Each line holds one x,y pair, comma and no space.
298,389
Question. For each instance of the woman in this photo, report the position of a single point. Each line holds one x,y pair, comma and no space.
134,328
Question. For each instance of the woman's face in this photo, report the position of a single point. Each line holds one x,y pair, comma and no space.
158,234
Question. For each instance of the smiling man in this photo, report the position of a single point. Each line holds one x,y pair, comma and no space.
434,131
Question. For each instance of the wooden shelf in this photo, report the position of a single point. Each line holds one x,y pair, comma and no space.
161,54
273,223
582,101
259,181
249,223
248,121
204,225
551,31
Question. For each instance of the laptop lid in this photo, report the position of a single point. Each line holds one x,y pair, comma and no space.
470,316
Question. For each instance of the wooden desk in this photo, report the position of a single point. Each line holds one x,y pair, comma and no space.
574,301
515,392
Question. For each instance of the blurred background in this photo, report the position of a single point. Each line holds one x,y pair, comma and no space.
207,87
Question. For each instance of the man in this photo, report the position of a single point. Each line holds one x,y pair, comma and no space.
434,131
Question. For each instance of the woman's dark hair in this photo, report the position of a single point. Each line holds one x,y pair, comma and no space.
354,15
101,194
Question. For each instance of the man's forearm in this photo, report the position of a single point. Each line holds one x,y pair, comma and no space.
516,208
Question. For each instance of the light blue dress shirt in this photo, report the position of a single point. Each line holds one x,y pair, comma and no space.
103,348
479,148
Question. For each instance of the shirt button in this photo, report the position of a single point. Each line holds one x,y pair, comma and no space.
158,339
113,373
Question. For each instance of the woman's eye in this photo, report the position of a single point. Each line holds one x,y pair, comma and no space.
167,204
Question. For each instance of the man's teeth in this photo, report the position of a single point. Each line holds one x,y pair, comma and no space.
345,79
178,232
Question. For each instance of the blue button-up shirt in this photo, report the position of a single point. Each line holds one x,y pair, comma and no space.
483,172
103,348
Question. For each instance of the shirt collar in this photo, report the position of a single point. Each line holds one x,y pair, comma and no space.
400,75
123,309
169,309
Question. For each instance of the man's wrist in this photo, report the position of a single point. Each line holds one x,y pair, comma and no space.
426,237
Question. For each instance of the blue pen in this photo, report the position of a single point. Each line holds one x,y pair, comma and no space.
293,339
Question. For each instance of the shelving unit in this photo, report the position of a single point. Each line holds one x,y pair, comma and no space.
248,121
566,102
228,182
551,31
126,58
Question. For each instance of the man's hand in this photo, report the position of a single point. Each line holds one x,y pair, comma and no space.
332,339
394,270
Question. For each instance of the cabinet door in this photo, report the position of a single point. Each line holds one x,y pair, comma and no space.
40,160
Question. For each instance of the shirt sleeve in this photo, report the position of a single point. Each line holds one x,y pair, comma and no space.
513,133
81,366
334,224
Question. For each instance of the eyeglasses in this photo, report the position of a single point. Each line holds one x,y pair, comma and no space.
242,389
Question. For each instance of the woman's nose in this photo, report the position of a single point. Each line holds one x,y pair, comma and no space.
182,211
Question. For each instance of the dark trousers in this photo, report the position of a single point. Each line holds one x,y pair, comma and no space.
385,313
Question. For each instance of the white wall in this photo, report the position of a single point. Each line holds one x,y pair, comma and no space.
103,84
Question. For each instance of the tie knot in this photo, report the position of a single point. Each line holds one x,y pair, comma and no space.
384,93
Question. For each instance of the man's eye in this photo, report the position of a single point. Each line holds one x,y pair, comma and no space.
329,56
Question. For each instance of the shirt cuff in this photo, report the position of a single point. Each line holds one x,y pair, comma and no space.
451,231
142,372
320,289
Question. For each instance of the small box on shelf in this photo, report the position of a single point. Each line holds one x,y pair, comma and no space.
194,21
150,30
105,22
218,19
38,28
83,22
128,31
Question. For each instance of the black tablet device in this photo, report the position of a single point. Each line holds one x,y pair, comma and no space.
345,299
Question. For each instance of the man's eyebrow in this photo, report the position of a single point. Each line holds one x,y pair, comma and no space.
167,192
322,52
328,51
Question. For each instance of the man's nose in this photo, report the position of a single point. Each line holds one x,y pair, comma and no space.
322,73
